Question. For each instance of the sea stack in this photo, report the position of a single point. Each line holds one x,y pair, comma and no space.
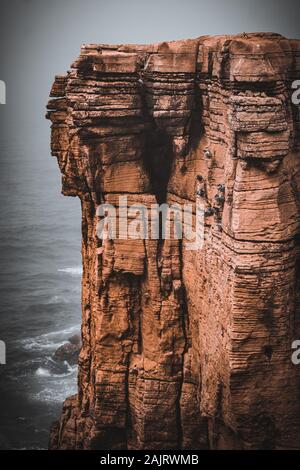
181,348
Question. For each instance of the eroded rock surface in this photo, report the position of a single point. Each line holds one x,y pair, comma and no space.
185,349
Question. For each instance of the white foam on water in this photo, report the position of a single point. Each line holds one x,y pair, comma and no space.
44,372
48,341
57,299
41,371
73,271
58,391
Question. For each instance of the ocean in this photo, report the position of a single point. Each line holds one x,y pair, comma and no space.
40,283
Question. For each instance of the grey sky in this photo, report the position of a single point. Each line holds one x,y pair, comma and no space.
40,38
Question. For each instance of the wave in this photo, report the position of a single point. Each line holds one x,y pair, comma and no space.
74,271
48,341
40,368
54,387
41,371
45,372
55,396
57,299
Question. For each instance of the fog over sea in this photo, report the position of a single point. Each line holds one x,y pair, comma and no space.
39,290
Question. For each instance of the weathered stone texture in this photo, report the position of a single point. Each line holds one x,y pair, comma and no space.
186,349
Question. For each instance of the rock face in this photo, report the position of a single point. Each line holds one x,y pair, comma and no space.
185,349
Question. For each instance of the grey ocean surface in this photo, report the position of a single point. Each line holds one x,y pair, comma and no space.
39,290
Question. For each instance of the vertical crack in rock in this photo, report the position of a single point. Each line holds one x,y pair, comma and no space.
185,348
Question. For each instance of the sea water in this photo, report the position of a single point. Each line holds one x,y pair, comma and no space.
40,276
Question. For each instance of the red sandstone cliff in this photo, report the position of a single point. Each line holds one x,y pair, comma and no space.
186,349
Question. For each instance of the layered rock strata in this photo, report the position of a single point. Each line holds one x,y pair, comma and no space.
181,348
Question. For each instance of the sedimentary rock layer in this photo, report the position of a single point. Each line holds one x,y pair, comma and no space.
181,348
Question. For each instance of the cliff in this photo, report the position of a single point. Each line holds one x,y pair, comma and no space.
181,348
